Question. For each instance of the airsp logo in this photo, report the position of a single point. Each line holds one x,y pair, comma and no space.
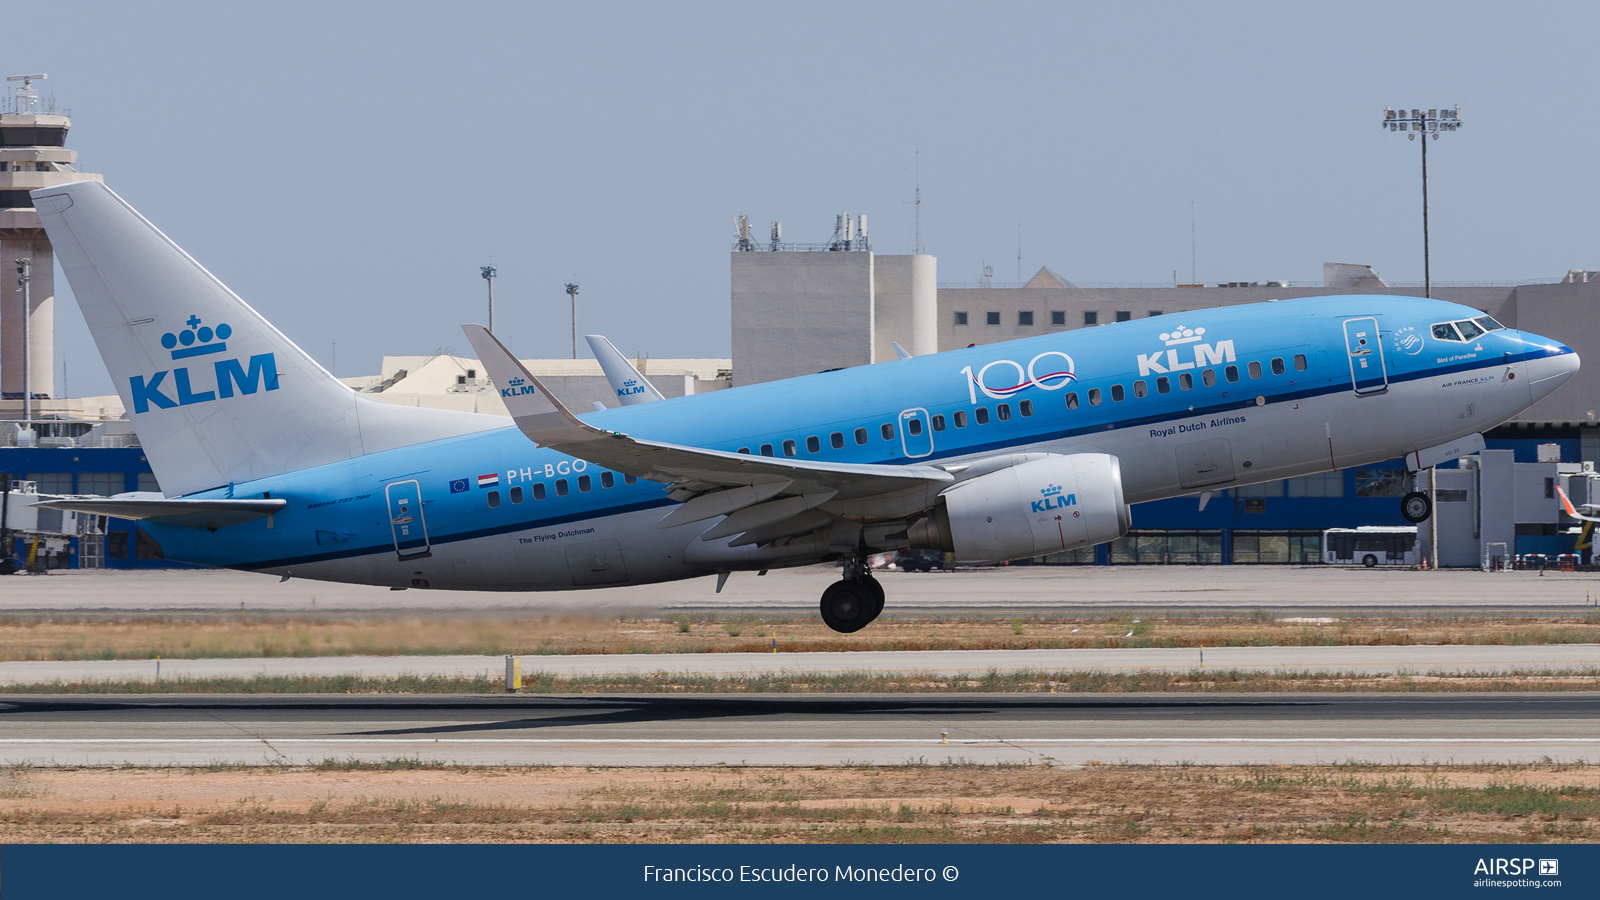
1180,339
1054,499
202,340
1408,340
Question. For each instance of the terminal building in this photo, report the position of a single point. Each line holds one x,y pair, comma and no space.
801,308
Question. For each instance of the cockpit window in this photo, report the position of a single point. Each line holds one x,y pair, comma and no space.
1487,323
1444,331
1468,329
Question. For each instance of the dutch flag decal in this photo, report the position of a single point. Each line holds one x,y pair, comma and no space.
489,481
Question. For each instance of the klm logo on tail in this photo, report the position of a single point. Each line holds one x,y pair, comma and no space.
630,388
1054,499
517,387
231,376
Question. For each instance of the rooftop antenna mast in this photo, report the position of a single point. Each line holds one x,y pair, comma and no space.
1019,253
26,101
489,273
916,205
572,291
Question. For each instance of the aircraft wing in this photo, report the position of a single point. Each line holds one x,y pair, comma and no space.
630,386
732,481
1566,504
201,513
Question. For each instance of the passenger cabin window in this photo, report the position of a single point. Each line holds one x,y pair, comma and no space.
960,418
630,479
607,480
1139,389
836,440
1025,407
1116,393
789,448
1094,396
861,435
981,415
1209,377
1072,400
584,484
937,422
494,499
516,495
1185,381
561,487
538,491
766,449
1299,362
1163,384
813,444
1255,370
1003,411
745,450
1231,373
914,427
887,430
1277,365
1444,331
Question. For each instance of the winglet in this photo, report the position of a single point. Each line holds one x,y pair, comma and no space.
630,386
902,352
1567,504
537,412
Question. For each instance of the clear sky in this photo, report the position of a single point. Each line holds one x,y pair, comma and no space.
346,168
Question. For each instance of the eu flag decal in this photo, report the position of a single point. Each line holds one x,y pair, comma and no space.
458,486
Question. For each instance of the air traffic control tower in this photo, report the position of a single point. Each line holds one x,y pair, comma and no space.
33,155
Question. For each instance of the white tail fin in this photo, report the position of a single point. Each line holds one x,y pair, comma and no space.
215,393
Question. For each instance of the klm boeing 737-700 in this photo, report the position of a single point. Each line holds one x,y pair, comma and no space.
267,463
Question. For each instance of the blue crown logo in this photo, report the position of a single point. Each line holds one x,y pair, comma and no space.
518,380
1050,490
209,340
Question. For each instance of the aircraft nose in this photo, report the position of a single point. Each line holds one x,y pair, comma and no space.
1550,365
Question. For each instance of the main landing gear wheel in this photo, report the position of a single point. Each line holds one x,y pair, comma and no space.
847,606
1416,507
877,596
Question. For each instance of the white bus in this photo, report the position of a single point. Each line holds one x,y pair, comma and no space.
1370,545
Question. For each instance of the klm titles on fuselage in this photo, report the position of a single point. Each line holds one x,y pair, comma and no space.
261,373
1166,361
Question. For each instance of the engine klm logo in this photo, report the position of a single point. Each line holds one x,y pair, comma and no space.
518,386
261,374
1165,361
1054,499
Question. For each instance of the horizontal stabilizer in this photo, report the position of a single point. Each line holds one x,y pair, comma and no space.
217,513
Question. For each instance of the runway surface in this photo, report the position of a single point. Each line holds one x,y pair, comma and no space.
1413,659
1197,588
803,730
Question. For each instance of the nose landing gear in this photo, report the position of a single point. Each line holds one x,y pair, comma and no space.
850,604
1416,507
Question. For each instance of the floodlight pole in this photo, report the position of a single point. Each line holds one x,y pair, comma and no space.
572,291
24,276
1429,122
489,273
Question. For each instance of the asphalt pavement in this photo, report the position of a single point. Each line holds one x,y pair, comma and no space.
655,730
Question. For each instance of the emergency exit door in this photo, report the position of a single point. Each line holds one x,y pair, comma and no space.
405,519
1367,372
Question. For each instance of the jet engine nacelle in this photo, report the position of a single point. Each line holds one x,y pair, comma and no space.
1043,506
